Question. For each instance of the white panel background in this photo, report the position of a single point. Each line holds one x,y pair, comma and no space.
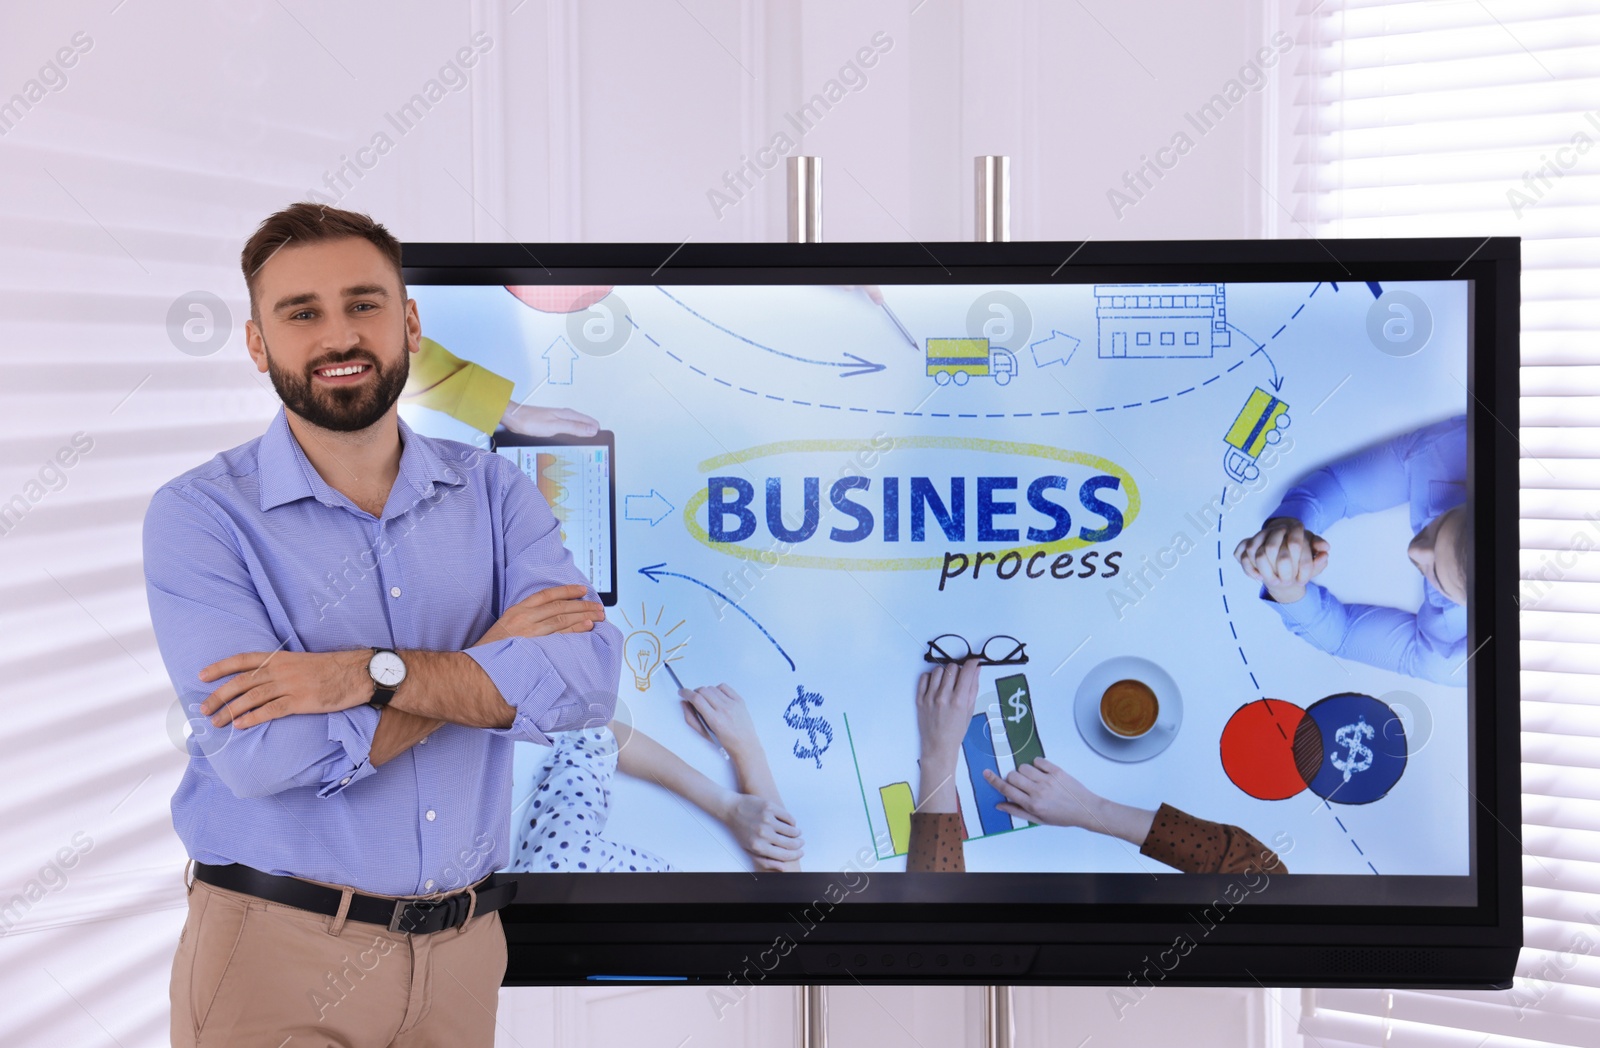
187,122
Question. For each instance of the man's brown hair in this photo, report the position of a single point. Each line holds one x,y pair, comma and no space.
306,223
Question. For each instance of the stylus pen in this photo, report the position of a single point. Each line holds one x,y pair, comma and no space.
674,675
899,325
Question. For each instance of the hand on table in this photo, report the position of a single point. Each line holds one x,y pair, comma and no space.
726,714
765,830
1042,792
946,696
1283,556
755,814
533,421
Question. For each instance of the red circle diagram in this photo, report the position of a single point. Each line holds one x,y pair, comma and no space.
1271,749
559,298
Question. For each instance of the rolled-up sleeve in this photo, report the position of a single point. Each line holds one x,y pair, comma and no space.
204,607
1372,479
558,682
1195,845
1388,638
440,380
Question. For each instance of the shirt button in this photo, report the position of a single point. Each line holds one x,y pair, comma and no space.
424,742
345,781
394,591
429,885
430,815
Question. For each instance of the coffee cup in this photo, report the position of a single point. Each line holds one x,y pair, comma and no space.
1129,709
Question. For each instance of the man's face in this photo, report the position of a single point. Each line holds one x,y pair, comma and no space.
327,307
1434,552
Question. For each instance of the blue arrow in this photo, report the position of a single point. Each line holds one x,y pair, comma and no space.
867,367
652,571
647,505
1048,351
862,366
558,362
1277,383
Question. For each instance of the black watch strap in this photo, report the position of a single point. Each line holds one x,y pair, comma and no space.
380,694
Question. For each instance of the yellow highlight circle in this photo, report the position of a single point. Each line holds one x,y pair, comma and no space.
799,560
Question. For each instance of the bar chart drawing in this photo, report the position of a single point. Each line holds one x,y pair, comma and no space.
979,750
897,806
1000,737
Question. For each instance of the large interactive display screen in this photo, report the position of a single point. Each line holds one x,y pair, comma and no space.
1211,540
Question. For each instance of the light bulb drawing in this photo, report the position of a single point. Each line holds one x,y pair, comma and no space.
645,650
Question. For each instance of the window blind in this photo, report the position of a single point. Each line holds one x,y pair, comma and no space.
1465,119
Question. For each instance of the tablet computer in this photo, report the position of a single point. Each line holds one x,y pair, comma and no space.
577,476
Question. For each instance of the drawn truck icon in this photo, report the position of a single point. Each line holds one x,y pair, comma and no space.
1261,422
957,359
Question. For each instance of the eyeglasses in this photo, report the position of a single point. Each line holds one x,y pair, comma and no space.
999,650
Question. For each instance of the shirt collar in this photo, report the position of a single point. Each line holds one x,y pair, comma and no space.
286,475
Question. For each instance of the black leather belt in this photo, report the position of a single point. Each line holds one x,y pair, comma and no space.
416,916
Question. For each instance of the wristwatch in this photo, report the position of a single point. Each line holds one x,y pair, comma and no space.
387,670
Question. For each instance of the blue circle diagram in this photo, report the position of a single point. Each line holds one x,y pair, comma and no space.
1363,751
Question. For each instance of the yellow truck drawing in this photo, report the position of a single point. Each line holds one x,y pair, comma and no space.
1260,422
959,359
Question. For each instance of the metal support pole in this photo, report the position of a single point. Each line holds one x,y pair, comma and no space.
813,1007
805,200
992,180
805,227
998,1029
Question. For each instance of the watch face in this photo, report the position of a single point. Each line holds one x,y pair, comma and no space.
387,668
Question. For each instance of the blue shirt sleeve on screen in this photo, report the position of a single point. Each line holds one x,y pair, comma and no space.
561,681
1402,471
1388,638
1365,482
204,607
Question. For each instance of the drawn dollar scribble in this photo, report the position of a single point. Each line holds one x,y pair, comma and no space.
1019,709
1359,758
798,716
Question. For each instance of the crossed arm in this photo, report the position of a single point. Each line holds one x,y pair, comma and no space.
205,603
440,686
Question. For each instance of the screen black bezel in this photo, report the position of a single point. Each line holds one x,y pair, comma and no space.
1493,267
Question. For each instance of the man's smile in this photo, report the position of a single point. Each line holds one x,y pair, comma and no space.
343,374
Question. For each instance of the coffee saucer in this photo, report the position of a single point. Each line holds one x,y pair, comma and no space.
1086,709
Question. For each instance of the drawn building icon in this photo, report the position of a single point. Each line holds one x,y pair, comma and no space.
1161,320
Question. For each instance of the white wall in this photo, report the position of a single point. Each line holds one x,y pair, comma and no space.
185,123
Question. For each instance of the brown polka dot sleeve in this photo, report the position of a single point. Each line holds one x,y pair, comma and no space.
935,843
1200,846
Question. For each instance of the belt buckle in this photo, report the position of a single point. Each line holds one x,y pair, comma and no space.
455,906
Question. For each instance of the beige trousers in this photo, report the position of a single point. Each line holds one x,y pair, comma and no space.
250,973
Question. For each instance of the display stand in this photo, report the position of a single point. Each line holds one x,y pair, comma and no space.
812,1007
991,178
804,207
998,1029
992,185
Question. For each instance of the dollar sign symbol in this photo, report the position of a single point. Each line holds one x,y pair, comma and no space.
802,720
1019,709
1359,758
